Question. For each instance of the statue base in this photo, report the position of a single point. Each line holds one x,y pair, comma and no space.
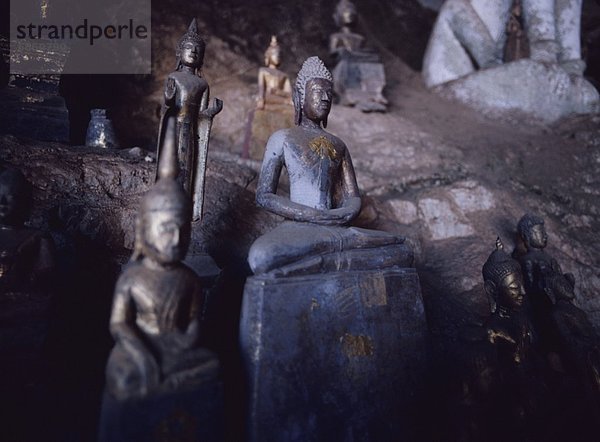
263,122
336,356
360,82
543,91
193,414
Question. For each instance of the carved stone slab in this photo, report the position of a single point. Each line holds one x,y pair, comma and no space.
333,357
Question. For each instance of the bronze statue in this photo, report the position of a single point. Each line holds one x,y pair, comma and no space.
26,255
158,301
274,86
503,285
359,77
186,97
514,389
564,328
324,195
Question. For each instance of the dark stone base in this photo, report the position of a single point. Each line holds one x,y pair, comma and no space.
195,414
337,356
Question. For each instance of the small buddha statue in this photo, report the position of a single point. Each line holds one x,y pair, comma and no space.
26,255
345,18
158,300
535,262
274,86
515,391
359,74
503,284
324,195
186,97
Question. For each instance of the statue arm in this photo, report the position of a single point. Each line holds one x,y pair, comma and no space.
170,92
123,330
266,192
352,201
205,98
474,36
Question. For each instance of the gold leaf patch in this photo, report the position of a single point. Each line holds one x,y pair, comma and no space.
323,148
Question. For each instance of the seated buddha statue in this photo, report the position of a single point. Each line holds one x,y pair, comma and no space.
274,86
158,300
324,196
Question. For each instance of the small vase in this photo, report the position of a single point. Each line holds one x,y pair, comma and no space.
100,131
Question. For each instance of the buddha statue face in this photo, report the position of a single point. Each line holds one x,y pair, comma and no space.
537,236
317,99
191,54
273,57
166,236
14,198
532,231
510,292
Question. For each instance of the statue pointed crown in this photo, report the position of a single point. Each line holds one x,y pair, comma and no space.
191,35
499,264
341,7
313,67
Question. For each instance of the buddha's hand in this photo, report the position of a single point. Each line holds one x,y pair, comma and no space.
260,103
170,90
178,341
213,110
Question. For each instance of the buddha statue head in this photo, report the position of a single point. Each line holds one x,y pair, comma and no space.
190,49
503,282
273,53
15,198
345,14
313,92
532,232
163,228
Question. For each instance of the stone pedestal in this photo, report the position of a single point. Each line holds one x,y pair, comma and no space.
335,356
263,122
359,79
194,414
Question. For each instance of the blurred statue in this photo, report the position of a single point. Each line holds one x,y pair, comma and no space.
464,58
274,109
324,195
564,329
274,86
26,255
359,77
186,97
158,301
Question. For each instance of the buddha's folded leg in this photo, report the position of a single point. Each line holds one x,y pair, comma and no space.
291,242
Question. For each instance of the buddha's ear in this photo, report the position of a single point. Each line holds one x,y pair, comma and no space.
490,291
297,106
325,122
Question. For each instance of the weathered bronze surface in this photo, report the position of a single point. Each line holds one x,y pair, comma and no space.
186,97
158,300
324,194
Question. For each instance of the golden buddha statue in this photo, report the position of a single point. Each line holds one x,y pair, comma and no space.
274,86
